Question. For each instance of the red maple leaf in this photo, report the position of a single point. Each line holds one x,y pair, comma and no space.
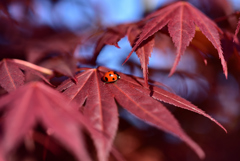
64,64
235,39
110,37
182,19
37,103
100,108
12,77
143,51
97,101
55,51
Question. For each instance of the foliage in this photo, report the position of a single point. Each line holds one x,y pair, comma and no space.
50,95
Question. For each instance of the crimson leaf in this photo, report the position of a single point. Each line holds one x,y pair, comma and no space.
236,32
35,102
100,106
11,77
182,19
93,94
110,37
143,51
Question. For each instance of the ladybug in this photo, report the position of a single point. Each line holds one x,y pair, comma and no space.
110,77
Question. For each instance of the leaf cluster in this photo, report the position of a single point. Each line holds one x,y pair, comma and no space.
46,87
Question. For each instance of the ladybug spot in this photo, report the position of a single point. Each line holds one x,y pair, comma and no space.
113,79
106,78
110,74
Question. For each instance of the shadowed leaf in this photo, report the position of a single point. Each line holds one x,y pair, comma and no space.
110,37
235,39
64,64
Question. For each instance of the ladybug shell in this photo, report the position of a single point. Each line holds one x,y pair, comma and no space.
110,77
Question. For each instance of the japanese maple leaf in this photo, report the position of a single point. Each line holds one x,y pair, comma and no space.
143,51
64,64
12,77
38,103
54,52
100,106
110,37
97,101
236,32
182,19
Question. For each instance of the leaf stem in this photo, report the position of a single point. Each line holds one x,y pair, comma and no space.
33,66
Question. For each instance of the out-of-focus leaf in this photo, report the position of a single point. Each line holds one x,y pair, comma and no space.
35,102
1,156
33,69
11,77
65,65
117,155
110,37
235,39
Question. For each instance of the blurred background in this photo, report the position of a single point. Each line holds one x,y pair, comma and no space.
34,29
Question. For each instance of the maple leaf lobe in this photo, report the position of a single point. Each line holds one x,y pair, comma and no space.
181,18
36,102
99,106
11,77
132,95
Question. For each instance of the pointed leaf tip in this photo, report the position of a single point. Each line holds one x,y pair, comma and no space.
116,45
225,70
128,57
